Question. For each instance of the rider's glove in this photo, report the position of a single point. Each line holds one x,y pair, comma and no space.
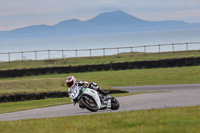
80,83
85,84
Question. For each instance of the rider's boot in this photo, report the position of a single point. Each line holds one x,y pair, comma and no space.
102,91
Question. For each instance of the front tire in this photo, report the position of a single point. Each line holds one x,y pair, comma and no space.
91,106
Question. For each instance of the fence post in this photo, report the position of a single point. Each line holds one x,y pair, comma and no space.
144,49
76,53
90,52
8,56
118,52
62,54
35,55
131,51
172,47
49,54
104,52
159,48
22,55
187,46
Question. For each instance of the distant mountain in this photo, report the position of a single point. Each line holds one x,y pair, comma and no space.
115,18
108,22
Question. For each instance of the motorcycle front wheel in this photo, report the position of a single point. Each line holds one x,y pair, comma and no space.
89,103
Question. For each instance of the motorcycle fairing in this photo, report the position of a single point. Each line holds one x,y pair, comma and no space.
93,94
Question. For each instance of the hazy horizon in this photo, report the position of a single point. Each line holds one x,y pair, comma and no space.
22,13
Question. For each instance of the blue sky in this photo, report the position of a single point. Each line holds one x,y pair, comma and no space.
21,13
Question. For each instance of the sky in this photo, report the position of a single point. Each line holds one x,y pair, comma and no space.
21,13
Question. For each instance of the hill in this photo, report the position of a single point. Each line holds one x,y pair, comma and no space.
108,22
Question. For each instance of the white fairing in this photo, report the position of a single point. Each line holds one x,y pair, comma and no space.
94,94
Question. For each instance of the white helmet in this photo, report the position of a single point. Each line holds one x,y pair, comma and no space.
71,81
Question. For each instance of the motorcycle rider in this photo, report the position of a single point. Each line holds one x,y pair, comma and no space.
72,83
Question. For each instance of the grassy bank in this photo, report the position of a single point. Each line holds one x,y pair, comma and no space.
26,105
97,60
105,79
34,85
169,120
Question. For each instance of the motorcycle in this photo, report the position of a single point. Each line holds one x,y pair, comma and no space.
92,100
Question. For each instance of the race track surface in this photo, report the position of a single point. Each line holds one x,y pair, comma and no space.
177,95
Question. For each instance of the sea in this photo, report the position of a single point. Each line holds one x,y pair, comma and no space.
93,45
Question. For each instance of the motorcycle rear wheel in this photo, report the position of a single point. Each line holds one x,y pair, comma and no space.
91,106
114,104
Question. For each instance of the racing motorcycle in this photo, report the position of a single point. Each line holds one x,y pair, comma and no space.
92,100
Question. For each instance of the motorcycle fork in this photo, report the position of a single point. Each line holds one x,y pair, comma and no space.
109,104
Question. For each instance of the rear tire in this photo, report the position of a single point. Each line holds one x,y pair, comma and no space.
84,103
114,104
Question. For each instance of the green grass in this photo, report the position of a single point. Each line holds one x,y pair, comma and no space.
26,105
34,85
105,79
97,60
169,120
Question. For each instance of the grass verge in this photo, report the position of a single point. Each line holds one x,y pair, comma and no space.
25,105
168,120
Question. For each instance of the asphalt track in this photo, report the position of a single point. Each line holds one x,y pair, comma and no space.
177,95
